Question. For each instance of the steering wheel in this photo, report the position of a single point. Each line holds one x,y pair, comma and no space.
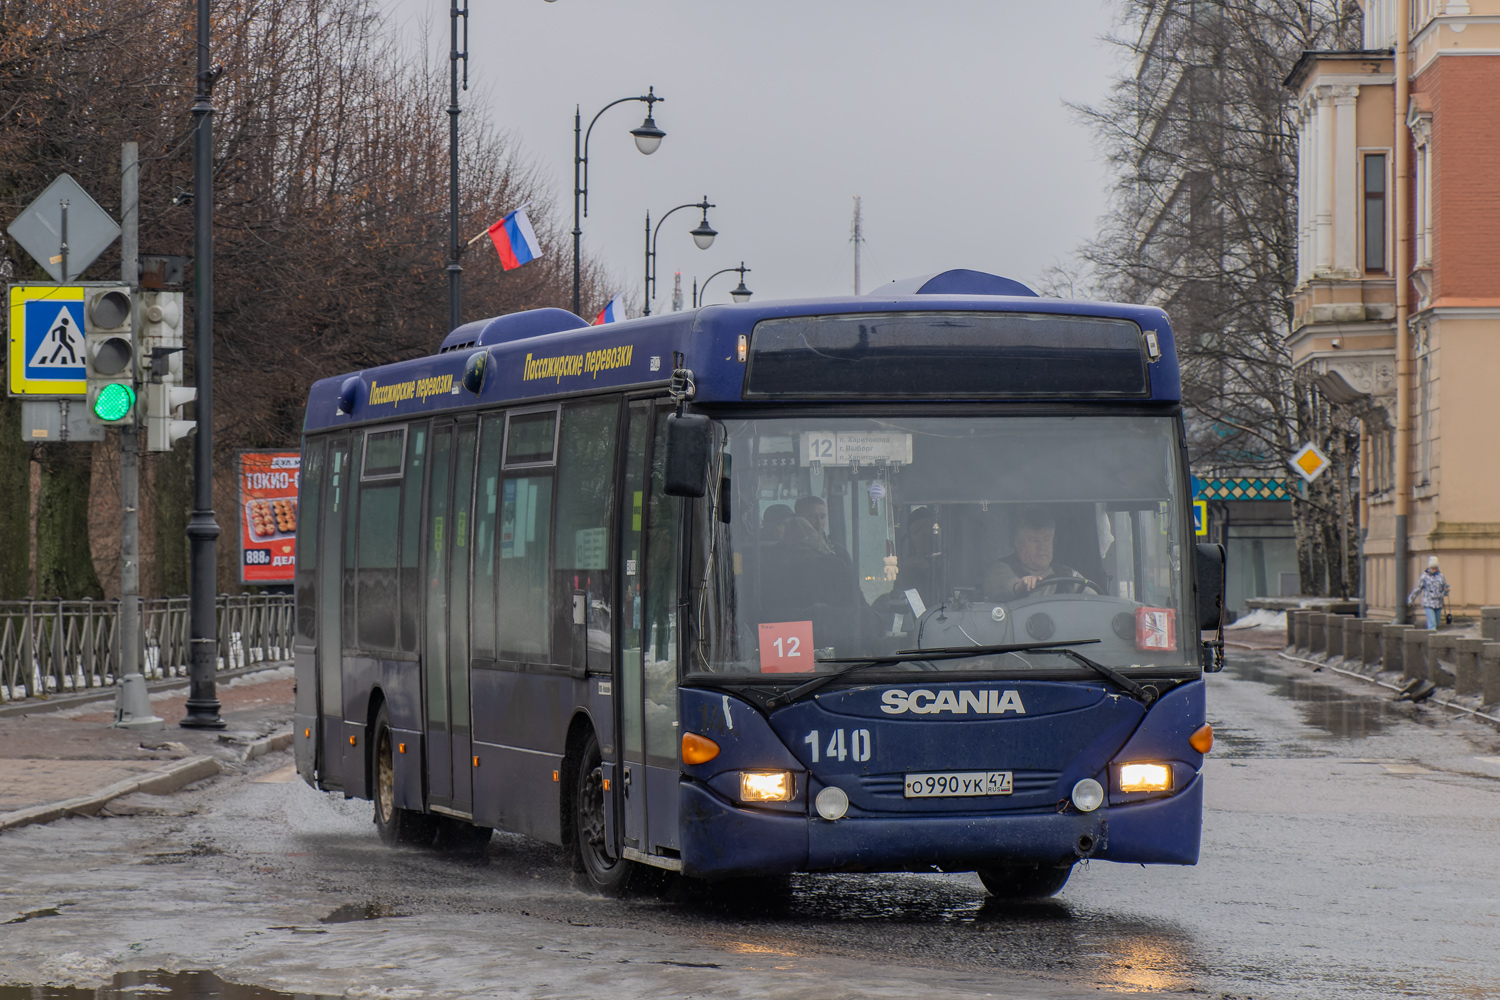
1078,582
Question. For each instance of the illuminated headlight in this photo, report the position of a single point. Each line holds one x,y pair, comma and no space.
1088,795
765,786
1145,778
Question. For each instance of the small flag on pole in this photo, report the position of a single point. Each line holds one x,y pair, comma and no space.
515,240
613,312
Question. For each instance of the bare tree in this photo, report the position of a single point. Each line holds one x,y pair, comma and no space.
330,174
1203,144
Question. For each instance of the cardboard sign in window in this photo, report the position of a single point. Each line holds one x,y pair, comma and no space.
786,647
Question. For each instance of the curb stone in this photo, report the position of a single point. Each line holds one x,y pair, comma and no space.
267,744
162,781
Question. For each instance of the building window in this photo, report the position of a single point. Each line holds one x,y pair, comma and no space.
1375,212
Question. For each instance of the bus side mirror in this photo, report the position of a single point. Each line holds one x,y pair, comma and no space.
1210,580
689,446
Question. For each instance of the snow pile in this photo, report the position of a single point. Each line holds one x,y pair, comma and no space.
1260,618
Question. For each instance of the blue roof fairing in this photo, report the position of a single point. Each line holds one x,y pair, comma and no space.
639,352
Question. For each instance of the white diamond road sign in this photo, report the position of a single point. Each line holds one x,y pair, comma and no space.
39,229
46,340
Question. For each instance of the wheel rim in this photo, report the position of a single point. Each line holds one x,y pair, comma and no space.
385,777
591,837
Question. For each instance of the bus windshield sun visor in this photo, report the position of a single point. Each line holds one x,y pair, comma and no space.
947,355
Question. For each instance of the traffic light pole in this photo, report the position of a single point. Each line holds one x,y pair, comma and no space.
132,703
203,530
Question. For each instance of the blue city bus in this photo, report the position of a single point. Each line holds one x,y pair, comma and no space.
900,582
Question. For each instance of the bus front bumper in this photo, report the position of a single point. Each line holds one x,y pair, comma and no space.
721,839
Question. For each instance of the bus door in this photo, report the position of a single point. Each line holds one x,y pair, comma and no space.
649,771
460,729
446,648
331,616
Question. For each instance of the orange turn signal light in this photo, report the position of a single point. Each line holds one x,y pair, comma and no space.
307,734
698,749
1203,739
351,741
606,784
401,747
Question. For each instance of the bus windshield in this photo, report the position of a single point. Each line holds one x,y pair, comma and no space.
836,537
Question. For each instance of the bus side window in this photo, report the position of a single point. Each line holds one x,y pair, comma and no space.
525,536
486,523
585,494
412,489
379,514
309,502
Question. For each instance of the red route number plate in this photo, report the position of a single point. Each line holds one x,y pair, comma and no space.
786,647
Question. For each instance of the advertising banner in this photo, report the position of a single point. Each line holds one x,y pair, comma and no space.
268,516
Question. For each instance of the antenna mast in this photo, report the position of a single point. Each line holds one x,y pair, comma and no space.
856,238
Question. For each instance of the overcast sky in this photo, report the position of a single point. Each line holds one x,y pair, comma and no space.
947,118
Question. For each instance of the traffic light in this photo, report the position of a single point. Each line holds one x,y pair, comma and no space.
109,356
161,370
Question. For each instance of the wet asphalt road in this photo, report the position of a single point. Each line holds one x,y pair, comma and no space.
1349,850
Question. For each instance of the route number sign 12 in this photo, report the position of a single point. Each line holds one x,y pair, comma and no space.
786,647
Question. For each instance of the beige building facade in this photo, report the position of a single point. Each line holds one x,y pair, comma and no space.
1429,449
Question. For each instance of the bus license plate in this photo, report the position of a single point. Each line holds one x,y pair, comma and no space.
957,783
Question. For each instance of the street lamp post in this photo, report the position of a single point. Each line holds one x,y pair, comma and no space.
647,138
703,236
203,529
739,294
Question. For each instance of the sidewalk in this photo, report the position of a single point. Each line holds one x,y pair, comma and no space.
68,762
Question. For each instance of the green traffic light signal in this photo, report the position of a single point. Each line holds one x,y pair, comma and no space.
114,402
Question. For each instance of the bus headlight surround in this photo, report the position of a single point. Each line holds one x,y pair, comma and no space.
832,803
1145,778
766,786
1088,795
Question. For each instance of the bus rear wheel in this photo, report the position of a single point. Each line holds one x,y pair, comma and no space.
394,824
605,872
1018,882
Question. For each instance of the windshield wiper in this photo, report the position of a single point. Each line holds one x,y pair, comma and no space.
1144,693
853,663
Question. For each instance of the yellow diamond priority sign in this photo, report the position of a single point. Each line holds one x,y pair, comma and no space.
1310,462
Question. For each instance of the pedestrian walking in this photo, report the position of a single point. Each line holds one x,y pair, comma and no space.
1431,588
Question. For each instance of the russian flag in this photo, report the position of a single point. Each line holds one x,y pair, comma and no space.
515,240
613,312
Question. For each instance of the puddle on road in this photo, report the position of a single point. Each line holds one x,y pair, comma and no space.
1339,713
155,986
350,912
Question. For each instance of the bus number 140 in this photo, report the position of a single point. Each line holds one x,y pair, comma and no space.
840,746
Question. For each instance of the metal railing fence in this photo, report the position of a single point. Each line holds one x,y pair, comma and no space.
56,647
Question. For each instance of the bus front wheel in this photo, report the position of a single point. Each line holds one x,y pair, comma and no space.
394,824
605,872
1016,882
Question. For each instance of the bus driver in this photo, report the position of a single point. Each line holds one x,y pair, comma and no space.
1032,532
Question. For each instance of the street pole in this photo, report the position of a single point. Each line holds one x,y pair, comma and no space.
1400,549
132,702
203,529
577,191
455,272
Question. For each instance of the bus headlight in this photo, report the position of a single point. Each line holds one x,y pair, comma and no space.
1088,795
1145,778
765,786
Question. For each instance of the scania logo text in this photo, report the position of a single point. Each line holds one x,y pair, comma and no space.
923,702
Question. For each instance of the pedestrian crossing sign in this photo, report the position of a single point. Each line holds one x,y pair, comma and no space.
1200,518
46,340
